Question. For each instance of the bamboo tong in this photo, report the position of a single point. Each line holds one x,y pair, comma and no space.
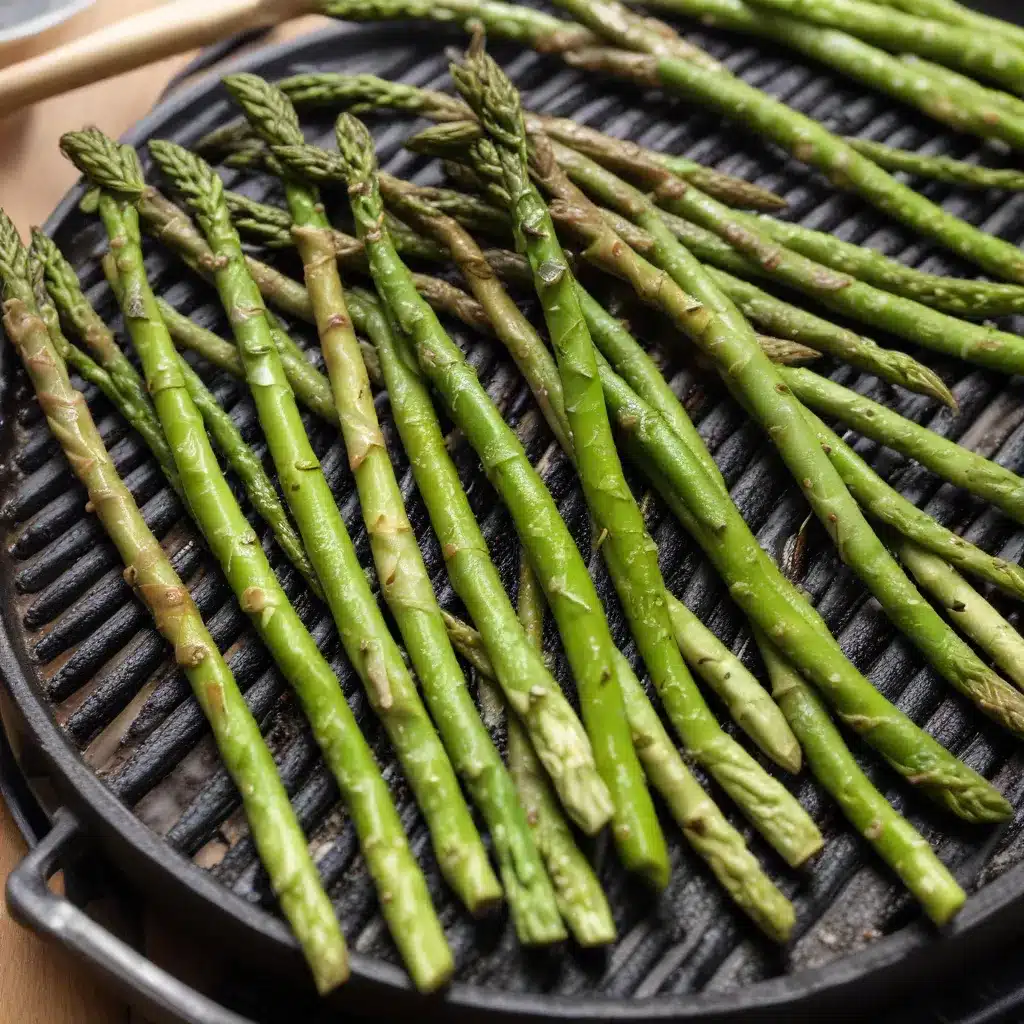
132,42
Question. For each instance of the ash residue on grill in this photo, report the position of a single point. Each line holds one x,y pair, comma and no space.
121,702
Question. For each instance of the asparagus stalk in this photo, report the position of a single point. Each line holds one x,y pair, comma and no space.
364,633
406,584
604,235
139,414
838,291
838,48
739,690
404,897
275,829
753,709
957,14
170,225
66,292
805,139
584,629
800,629
360,93
629,552
981,53
581,899
990,99
749,373
703,824
967,608
939,168
888,506
893,838
958,296
771,602
953,295
951,461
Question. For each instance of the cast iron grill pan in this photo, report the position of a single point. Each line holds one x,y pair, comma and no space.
128,744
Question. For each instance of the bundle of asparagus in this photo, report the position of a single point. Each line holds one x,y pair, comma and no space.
671,231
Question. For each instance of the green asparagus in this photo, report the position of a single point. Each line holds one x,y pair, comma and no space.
364,633
888,506
967,608
404,897
540,370
66,292
958,296
984,54
859,60
951,461
939,168
553,550
892,836
405,581
276,831
957,14
806,139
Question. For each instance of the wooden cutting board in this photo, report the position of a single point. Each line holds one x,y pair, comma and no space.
39,983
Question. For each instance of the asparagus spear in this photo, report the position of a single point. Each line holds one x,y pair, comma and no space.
951,461
985,54
629,552
838,291
66,292
749,373
406,584
991,100
364,633
806,139
703,824
771,602
957,14
140,415
888,506
758,586
939,168
405,901
275,829
604,235
360,93
894,839
750,705
839,49
170,225
967,608
802,137
581,899
370,92
584,629
958,296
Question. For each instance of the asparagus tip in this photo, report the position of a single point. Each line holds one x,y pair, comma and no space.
104,162
266,108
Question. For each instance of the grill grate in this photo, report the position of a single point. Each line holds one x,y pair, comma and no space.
121,702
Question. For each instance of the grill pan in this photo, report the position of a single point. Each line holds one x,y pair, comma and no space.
81,663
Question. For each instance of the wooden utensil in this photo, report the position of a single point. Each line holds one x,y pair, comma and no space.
166,30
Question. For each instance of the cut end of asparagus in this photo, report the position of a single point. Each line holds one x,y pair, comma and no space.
267,109
104,162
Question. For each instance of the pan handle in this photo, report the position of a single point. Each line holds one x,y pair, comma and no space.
34,904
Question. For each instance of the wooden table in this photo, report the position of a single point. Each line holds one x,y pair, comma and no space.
38,983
